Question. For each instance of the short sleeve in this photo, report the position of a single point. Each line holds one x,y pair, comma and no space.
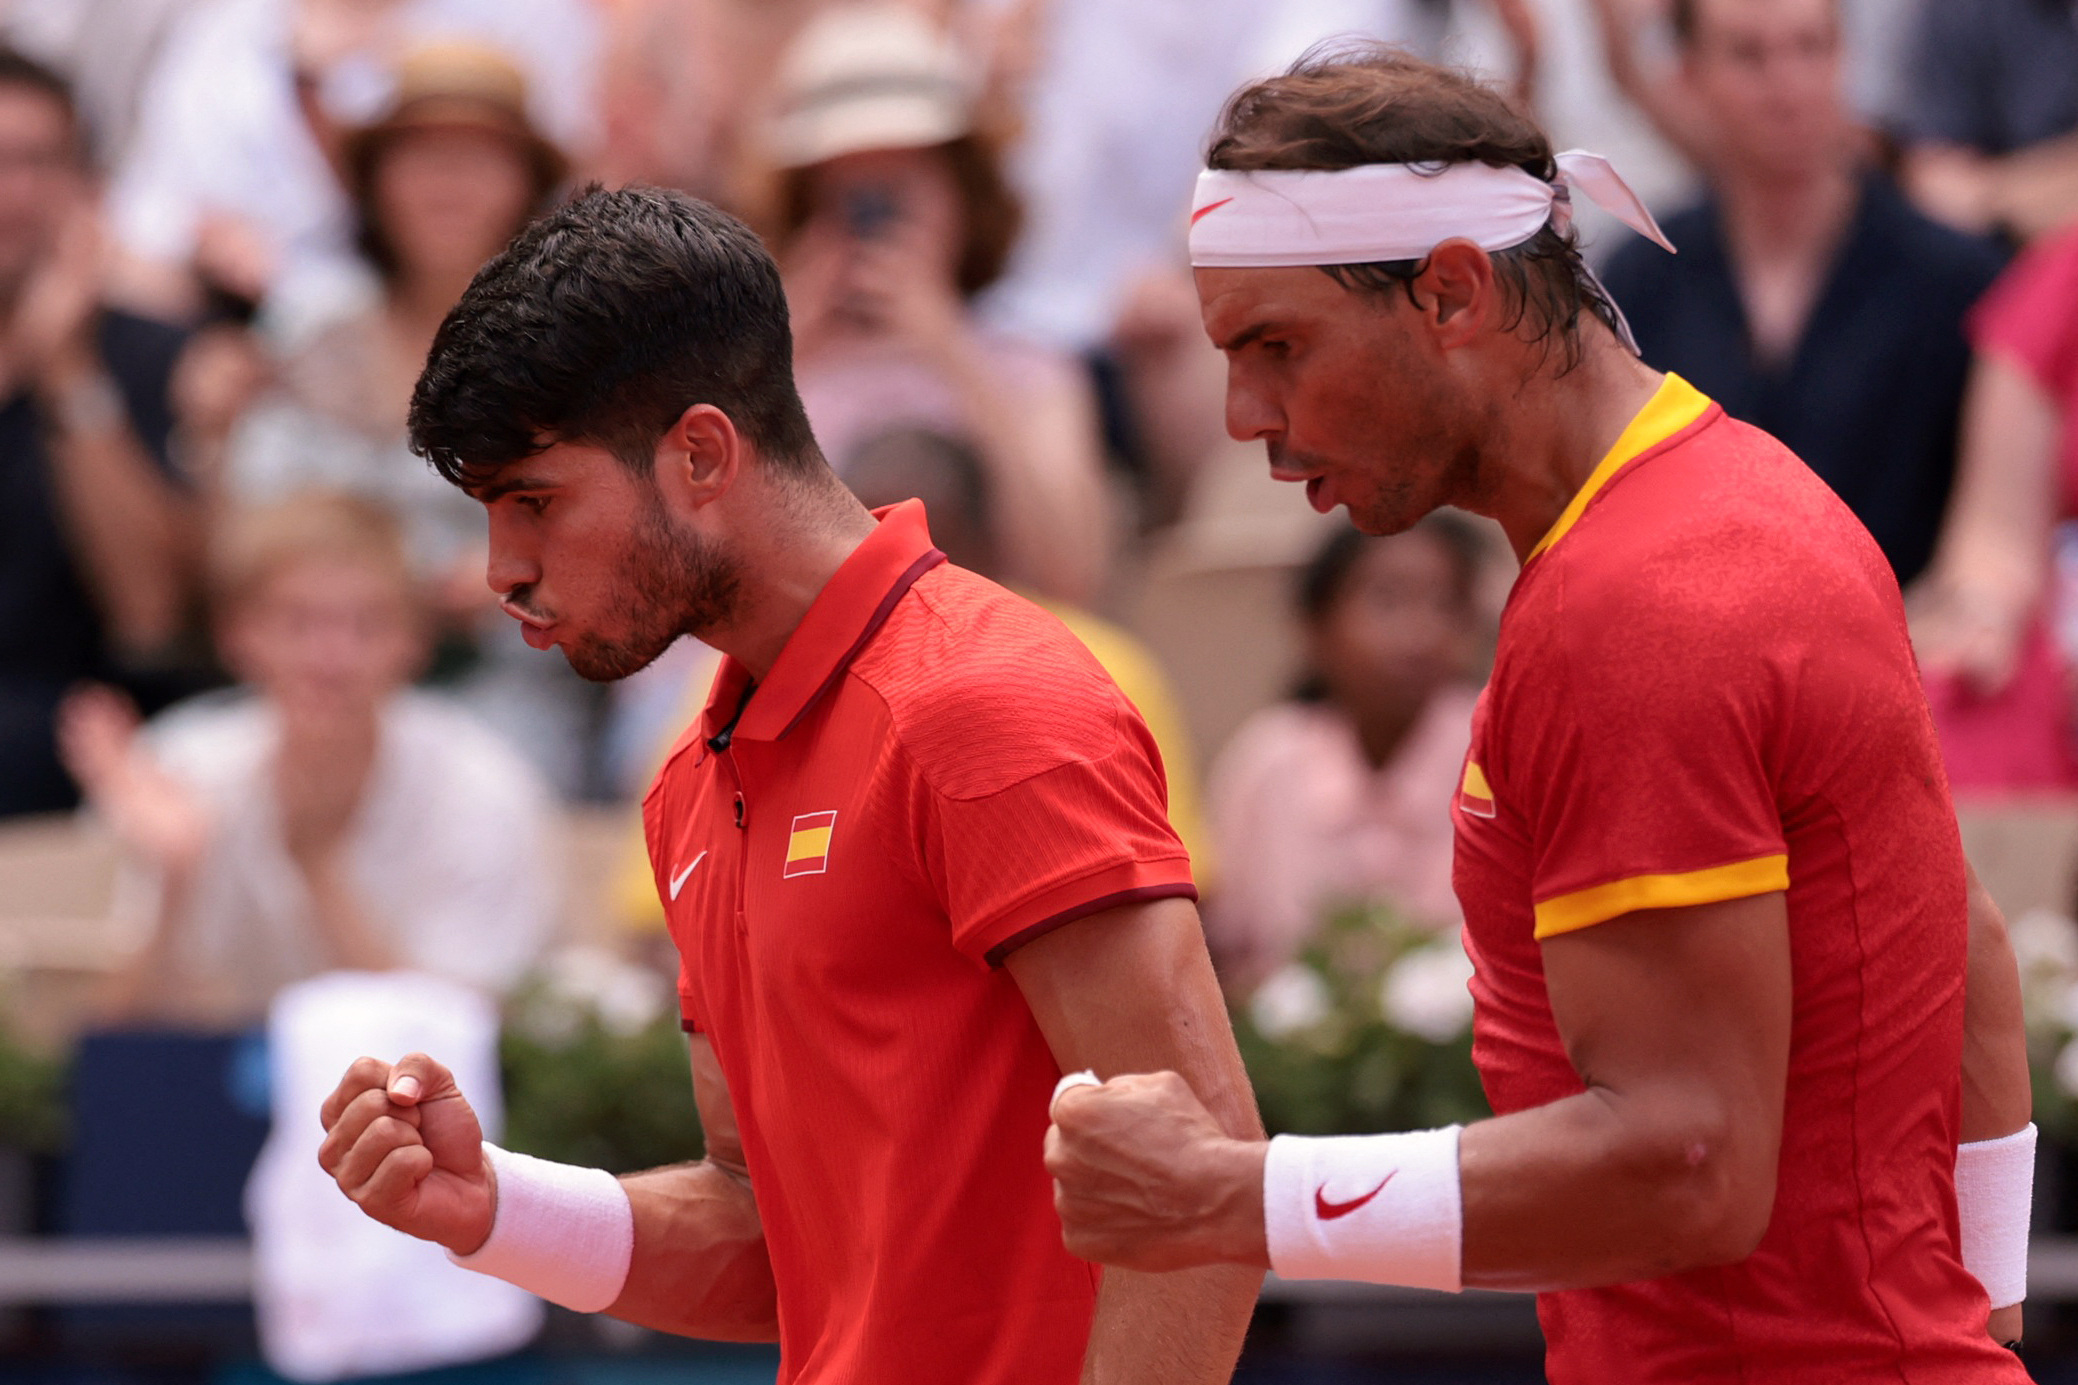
2030,317
1641,771
1082,828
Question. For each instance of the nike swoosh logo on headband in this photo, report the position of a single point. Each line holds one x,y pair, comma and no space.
1199,215
1330,1211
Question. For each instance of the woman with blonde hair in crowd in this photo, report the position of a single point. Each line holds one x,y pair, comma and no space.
441,182
893,214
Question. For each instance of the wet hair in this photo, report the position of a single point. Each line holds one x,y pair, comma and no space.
1347,103
602,323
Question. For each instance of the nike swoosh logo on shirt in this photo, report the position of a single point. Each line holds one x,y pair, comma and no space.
678,880
1329,1211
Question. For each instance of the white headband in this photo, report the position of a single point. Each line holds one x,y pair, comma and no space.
1380,212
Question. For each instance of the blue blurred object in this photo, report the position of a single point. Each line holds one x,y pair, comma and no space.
160,1144
163,1136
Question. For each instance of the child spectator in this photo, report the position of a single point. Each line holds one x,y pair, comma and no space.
1342,794
328,818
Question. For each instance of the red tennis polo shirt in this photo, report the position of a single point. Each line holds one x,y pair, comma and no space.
1704,691
933,773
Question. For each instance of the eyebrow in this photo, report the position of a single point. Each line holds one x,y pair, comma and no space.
507,485
1247,336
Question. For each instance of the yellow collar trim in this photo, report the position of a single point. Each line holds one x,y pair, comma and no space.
1673,406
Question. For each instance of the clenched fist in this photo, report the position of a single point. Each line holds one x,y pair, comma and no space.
1144,1178
403,1143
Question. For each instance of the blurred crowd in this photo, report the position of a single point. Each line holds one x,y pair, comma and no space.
244,624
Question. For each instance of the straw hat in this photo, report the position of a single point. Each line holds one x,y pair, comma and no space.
869,76
454,85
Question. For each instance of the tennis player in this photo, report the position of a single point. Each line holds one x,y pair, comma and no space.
914,855
1738,999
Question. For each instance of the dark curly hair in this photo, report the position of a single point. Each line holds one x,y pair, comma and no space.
1350,102
604,321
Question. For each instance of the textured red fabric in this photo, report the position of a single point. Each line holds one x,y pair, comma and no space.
1712,665
987,781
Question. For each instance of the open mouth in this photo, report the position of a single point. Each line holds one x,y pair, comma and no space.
538,634
1316,487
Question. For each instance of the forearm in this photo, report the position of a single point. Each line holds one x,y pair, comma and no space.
1168,1329
699,1268
1580,1193
136,534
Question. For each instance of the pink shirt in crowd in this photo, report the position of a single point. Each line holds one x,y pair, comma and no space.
1302,823
2022,738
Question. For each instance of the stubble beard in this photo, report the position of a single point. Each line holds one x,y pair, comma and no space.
669,583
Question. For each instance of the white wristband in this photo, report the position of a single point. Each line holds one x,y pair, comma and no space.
559,1231
1994,1192
1383,1209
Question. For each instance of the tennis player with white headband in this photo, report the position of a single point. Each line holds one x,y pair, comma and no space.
1738,998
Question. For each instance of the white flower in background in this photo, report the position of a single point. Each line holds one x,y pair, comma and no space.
2067,1069
1292,999
1424,993
626,998
2044,941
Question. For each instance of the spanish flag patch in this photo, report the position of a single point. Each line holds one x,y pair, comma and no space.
808,845
1474,796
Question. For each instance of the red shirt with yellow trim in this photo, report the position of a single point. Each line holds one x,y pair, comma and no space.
1704,691
933,773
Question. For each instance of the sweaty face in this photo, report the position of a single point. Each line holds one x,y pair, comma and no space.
587,558
1343,391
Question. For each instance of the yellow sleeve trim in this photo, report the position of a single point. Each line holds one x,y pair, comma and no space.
1673,406
1586,908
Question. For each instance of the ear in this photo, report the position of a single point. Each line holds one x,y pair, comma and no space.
1457,293
699,458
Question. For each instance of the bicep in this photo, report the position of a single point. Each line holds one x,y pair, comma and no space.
717,1113
1132,990
1683,1014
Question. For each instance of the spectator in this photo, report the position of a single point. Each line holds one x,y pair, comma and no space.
97,533
1342,794
448,174
2000,689
329,819
233,176
1991,125
894,213
1809,298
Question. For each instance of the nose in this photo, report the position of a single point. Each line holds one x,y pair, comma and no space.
1252,415
511,564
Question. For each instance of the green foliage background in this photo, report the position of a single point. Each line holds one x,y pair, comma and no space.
1354,1072
601,1099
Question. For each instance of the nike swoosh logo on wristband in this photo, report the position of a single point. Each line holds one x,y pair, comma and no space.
1330,1211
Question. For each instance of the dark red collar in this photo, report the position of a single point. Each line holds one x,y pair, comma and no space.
841,622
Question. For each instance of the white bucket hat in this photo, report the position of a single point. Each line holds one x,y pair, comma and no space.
869,76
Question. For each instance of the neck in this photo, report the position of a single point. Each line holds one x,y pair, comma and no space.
1789,217
805,534
1541,451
